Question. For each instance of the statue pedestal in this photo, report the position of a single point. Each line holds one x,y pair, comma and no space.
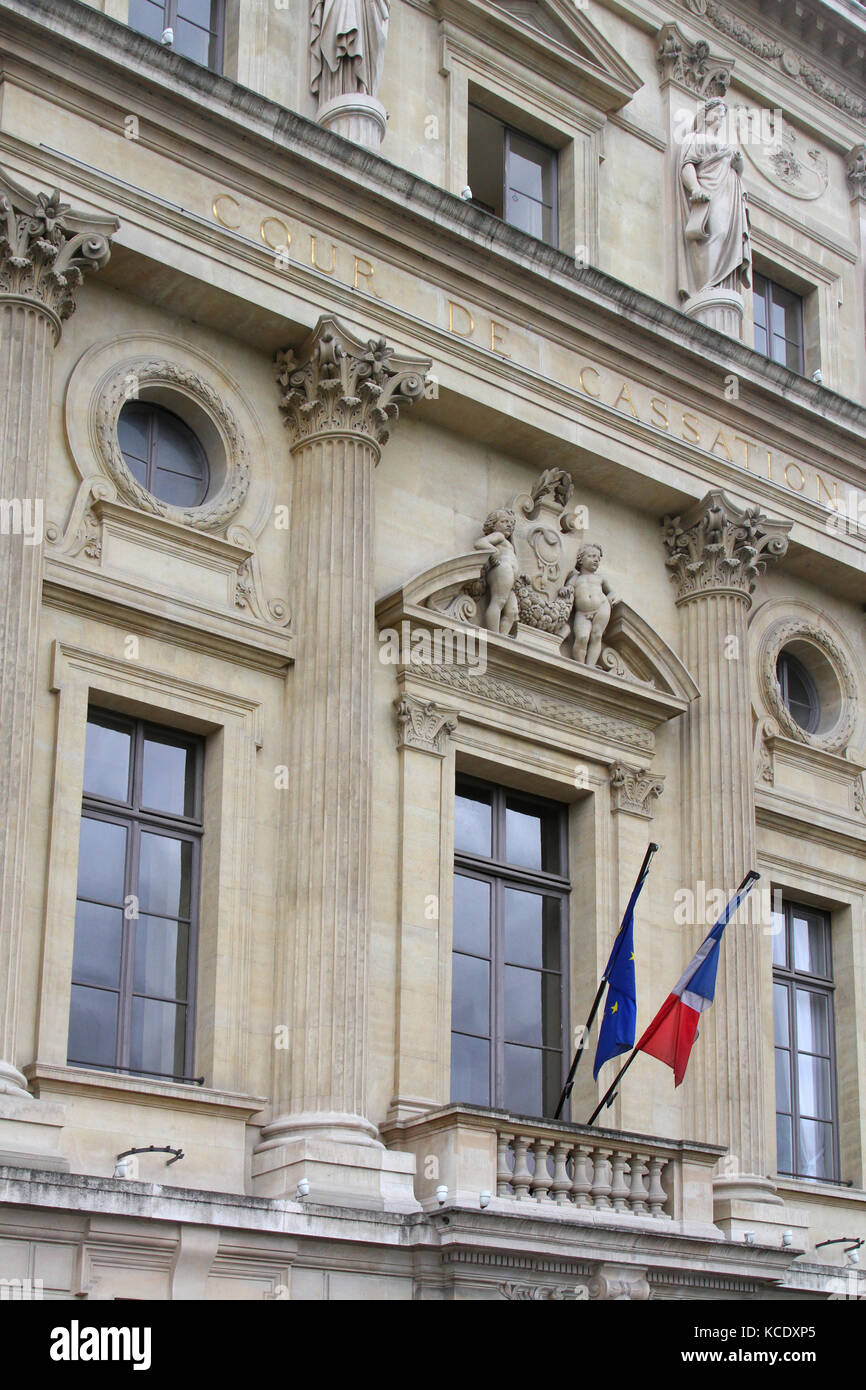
356,117
718,308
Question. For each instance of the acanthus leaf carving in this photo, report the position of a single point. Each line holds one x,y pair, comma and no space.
634,789
423,725
692,63
717,546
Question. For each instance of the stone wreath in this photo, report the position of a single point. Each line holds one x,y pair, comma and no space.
836,739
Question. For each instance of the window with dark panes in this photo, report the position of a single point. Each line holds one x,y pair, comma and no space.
163,454
512,176
798,691
196,26
806,1114
778,323
509,961
139,853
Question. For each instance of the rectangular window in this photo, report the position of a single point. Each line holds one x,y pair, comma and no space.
778,323
806,1115
510,959
196,26
512,176
136,913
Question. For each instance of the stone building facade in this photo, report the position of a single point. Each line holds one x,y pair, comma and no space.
431,471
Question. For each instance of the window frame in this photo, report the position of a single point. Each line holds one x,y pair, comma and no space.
155,409
767,298
136,820
506,132
784,661
792,979
216,47
501,874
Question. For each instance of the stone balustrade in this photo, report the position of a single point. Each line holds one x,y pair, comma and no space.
611,1175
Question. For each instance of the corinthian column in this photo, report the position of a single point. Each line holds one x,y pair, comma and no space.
715,553
44,250
340,398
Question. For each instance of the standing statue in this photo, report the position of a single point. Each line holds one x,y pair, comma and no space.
713,248
347,40
502,569
593,597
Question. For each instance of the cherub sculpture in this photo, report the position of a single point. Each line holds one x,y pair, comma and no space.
593,598
502,570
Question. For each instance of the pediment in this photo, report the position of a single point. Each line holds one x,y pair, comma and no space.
550,38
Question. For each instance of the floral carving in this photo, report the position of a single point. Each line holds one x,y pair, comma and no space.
717,546
634,789
423,725
538,611
692,64
856,171
45,247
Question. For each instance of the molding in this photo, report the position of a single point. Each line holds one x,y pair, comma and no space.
691,64
117,1086
779,635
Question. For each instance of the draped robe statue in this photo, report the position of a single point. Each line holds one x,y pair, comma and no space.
713,248
348,46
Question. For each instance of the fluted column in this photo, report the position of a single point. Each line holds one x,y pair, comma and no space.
340,398
44,250
715,553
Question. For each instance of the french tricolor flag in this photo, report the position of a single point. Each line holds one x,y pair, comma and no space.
672,1033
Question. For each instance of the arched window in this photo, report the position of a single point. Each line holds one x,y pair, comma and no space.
798,691
163,454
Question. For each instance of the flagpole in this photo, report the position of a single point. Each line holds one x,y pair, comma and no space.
610,1094
569,1080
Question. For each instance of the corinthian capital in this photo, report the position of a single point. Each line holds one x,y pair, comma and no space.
715,546
338,384
45,248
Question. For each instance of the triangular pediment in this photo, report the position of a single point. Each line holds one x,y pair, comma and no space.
550,38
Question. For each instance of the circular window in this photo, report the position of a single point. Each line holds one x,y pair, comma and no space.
163,454
798,691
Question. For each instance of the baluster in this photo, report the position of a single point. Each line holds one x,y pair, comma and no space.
561,1184
521,1178
639,1166
503,1172
619,1189
541,1180
581,1182
657,1196
601,1181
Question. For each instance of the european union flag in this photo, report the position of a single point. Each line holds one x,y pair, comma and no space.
617,1031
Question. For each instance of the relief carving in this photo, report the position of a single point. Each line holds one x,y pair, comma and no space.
423,725
692,64
716,546
783,163
634,789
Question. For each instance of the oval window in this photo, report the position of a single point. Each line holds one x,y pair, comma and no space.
163,454
798,691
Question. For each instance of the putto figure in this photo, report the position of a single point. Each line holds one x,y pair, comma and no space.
347,39
714,251
593,598
502,570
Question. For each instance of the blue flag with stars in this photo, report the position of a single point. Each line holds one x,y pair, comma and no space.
617,1031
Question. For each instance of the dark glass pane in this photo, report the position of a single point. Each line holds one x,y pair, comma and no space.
133,431
814,1095
816,1149
523,1022
470,1070
486,139
784,1144
101,861
529,168
471,915
176,447
522,837
106,761
197,11
161,957
811,943
472,822
783,1080
522,1080
192,42
780,945
532,929
137,469
526,215
780,1016
552,1081
168,776
761,340
158,1037
164,876
793,358
147,18
98,939
92,1026
813,1022
759,303
177,489
470,994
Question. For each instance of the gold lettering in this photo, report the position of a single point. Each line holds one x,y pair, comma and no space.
832,498
788,466
625,394
326,270
278,245
660,408
720,439
364,274
226,198
746,443
583,386
769,465
496,331
687,425
452,305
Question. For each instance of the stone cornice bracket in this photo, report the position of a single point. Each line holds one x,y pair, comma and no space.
423,725
856,172
634,789
715,547
45,248
336,384
692,64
